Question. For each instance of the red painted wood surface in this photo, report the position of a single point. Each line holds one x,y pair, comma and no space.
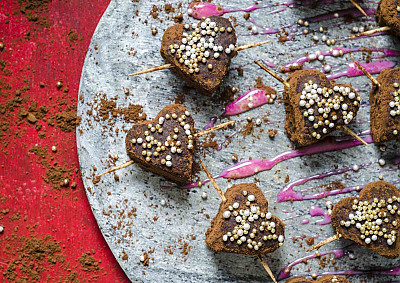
35,52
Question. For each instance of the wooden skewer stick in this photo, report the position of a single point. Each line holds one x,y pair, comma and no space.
275,75
218,189
212,129
358,7
240,48
370,32
354,135
266,267
327,241
158,68
126,164
169,66
221,194
369,76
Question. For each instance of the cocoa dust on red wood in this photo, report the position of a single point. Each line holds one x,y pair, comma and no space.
36,255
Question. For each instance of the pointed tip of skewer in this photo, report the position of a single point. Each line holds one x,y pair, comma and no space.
240,48
266,267
212,129
324,242
272,73
370,32
359,7
368,74
354,135
126,164
163,67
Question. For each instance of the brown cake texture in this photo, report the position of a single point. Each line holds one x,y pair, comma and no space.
214,42
165,144
316,107
243,224
385,120
322,279
388,15
378,198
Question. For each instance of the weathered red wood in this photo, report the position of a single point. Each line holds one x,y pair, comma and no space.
38,54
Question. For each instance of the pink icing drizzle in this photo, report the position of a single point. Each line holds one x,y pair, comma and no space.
241,104
285,272
250,167
372,67
317,211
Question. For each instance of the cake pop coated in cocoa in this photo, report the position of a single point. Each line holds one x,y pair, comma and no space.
243,224
388,15
201,53
385,106
372,219
316,107
165,145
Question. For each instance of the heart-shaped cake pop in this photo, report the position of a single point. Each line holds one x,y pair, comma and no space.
322,279
388,14
385,106
316,107
201,52
372,219
164,145
243,224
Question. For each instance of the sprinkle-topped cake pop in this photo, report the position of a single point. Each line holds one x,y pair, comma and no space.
244,225
385,106
201,52
165,145
371,220
316,107
388,15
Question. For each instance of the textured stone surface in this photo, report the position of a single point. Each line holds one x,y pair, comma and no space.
121,32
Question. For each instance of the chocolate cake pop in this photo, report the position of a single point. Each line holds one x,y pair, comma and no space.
388,15
166,144
371,220
316,106
200,53
385,106
243,224
323,279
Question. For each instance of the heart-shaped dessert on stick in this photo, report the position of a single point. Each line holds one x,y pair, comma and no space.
371,220
384,99
316,106
322,279
385,106
388,15
388,18
166,144
243,224
200,52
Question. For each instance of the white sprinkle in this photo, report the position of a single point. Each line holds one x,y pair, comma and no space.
226,214
163,202
235,205
225,238
246,226
355,168
139,140
258,122
204,196
1,229
280,239
381,162
268,215
216,55
251,198
168,163
389,242
327,68
367,241
142,258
